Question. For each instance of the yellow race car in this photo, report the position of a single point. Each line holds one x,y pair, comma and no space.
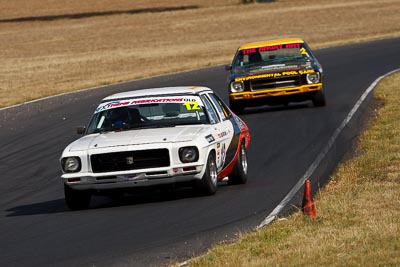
274,72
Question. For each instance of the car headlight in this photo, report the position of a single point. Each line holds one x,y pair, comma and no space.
313,78
237,87
71,164
188,154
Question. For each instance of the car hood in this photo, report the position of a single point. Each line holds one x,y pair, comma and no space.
261,69
137,137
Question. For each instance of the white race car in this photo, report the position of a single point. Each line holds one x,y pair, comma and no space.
153,137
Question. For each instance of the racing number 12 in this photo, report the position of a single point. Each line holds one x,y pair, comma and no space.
192,105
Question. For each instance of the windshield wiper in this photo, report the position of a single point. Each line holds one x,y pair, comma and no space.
296,58
141,126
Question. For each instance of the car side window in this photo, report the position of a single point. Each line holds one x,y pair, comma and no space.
222,110
210,110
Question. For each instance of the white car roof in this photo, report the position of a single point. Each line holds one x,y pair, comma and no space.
159,91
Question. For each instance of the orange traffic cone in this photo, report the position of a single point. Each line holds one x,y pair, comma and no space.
308,203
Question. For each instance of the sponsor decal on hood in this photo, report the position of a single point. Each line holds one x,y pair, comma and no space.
275,74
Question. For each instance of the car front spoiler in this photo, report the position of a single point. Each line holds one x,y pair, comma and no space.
248,95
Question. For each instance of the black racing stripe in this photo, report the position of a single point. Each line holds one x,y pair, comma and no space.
233,146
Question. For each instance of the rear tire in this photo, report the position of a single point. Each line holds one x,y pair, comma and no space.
319,99
239,172
209,182
76,199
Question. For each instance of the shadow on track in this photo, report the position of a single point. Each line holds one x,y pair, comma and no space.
47,207
138,197
267,108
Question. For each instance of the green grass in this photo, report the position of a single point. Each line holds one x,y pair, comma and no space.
358,212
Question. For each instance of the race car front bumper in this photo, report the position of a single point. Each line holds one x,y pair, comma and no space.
120,180
278,92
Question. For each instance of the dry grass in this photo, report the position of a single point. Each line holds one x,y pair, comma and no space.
41,58
358,211
35,8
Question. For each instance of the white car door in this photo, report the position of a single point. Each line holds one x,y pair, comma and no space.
226,145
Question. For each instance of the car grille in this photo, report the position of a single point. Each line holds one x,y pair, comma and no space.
130,160
274,83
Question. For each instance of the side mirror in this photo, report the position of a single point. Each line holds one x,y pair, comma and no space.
228,67
80,130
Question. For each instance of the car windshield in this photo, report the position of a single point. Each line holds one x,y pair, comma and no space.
147,112
271,55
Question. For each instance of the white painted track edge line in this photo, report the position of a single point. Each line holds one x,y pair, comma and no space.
273,215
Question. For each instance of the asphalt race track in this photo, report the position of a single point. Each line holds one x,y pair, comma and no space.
152,228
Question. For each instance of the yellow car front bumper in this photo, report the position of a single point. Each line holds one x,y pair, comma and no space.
276,92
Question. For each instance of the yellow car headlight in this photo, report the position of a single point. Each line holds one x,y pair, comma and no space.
237,87
313,78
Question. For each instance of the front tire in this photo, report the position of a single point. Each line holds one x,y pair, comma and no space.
319,99
76,199
209,182
239,172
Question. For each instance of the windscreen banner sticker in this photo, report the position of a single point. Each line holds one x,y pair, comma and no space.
273,48
274,75
190,102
